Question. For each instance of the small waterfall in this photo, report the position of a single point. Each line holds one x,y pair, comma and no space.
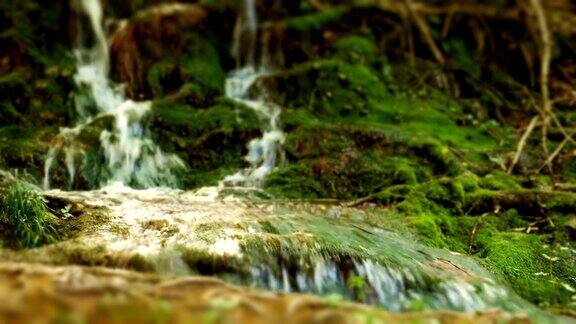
130,156
393,288
264,153
288,250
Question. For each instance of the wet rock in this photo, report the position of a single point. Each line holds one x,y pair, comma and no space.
280,247
149,36
104,295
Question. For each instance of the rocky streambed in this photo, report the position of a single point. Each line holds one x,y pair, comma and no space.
72,294
324,248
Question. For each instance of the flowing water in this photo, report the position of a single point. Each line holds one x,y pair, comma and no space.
264,153
128,155
391,287
157,224
282,247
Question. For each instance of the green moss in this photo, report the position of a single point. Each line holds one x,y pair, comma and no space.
12,86
340,114
570,171
526,200
346,175
499,181
212,140
294,181
34,70
335,110
539,266
195,122
13,80
158,74
195,76
314,21
336,91
541,273
292,240
559,201
426,228
139,262
404,170
356,49
205,263
457,50
339,158
221,5
330,88
201,64
80,222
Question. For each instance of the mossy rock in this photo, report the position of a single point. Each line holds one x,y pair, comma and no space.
315,21
356,49
329,88
212,141
197,73
542,273
24,148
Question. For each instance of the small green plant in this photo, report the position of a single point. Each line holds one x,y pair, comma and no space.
358,286
24,213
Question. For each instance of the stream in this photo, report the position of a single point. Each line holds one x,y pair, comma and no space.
327,250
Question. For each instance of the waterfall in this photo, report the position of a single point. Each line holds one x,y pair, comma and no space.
264,153
393,288
130,157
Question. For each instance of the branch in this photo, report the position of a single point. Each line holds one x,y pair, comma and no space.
553,155
522,143
545,53
478,222
317,5
425,32
425,9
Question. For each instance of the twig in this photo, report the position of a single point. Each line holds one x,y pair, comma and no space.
425,32
364,199
566,187
410,40
527,230
553,155
532,226
562,129
474,230
544,141
546,53
317,5
522,143
447,24
545,57
426,9
360,201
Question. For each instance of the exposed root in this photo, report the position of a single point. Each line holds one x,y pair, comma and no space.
546,113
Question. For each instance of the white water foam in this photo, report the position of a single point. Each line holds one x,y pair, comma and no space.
130,156
264,153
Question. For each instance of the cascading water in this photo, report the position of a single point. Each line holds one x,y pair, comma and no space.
182,233
264,153
396,275
130,157
395,288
